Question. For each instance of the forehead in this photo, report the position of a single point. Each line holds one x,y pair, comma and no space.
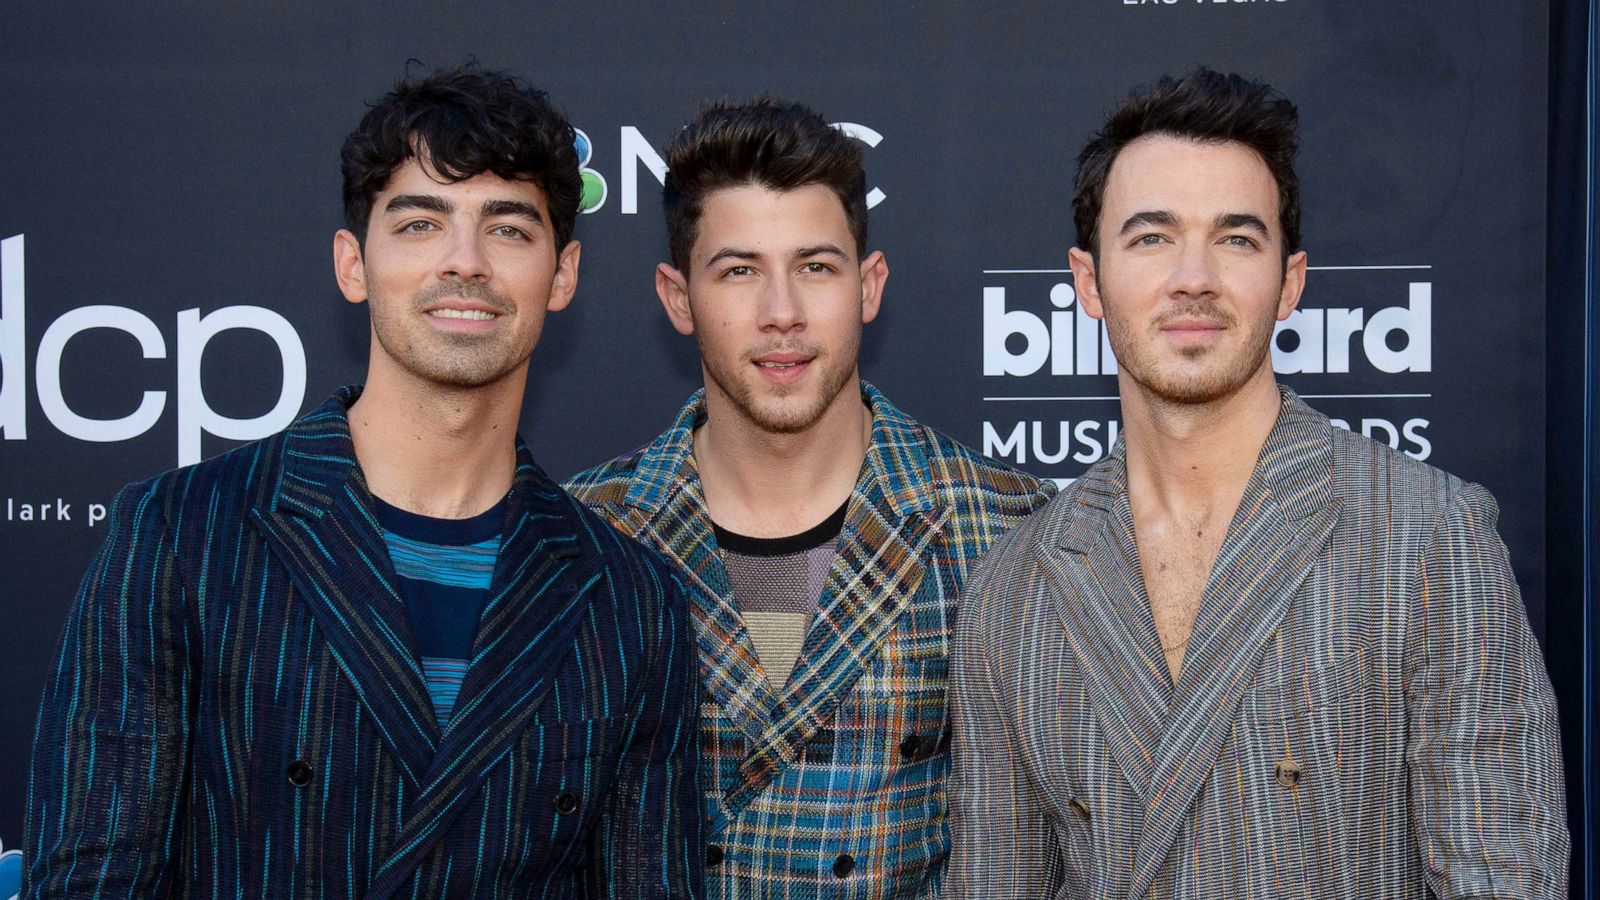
751,212
416,177
1189,178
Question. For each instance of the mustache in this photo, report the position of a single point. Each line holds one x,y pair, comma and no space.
469,290
798,347
1203,310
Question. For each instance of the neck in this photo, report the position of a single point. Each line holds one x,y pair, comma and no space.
1185,459
434,450
769,484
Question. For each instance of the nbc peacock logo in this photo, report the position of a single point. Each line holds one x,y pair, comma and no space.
594,184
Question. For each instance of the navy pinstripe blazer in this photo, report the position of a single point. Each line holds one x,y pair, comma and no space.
238,709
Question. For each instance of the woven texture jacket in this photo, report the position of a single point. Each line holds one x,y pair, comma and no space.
1362,710
833,785
238,710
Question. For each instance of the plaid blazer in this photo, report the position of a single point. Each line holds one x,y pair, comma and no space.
237,709
833,785
1362,710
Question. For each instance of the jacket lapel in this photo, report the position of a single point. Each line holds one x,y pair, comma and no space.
319,522
668,512
878,565
545,576
1100,597
1284,520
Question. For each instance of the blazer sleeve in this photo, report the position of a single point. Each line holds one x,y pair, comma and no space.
653,843
111,754
1483,748
1003,845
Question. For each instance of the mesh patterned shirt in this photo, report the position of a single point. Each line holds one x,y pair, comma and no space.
776,583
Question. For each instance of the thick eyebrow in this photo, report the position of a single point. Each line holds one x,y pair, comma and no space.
518,208
820,250
428,202
799,253
1231,221
731,253
1159,218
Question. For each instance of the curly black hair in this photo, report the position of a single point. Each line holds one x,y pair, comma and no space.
465,121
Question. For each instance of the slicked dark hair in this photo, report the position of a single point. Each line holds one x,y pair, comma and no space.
1204,106
465,121
772,143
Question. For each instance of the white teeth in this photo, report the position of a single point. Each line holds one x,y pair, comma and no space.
775,365
474,314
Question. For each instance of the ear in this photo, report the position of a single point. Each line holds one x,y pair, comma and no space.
673,289
874,272
1085,282
348,267
1294,284
565,282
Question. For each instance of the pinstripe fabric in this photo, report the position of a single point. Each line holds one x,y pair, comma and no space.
798,776
237,709
1361,625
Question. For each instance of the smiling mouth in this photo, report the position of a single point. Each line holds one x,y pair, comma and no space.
781,365
476,315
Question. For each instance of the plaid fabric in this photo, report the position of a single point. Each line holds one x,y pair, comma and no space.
832,786
1362,711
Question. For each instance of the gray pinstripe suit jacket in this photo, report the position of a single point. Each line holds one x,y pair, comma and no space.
1362,712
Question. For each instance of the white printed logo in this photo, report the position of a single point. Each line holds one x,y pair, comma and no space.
194,331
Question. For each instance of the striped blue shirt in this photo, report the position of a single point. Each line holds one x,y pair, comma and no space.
444,566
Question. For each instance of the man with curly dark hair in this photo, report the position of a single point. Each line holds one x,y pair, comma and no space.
381,653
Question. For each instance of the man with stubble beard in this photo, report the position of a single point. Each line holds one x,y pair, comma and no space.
824,534
1248,654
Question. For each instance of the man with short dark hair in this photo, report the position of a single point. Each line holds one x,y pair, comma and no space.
381,653
825,535
1248,654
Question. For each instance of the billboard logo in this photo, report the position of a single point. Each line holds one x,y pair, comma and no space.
1319,340
1396,339
1073,343
194,331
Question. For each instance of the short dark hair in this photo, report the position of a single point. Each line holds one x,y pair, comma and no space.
466,121
768,142
1205,106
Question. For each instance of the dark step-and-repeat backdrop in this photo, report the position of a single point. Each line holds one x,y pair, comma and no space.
169,186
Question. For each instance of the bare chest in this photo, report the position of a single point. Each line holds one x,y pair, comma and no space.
1176,559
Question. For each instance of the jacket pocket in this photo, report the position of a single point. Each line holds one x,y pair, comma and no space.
1313,728
561,775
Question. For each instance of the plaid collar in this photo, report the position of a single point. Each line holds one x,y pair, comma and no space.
896,457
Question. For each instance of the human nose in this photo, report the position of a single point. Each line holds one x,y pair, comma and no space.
464,258
1196,272
780,306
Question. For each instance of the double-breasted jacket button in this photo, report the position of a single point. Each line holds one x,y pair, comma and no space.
566,803
713,855
299,773
1289,772
911,746
844,865
1080,807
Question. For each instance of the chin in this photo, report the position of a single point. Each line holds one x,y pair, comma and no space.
790,418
